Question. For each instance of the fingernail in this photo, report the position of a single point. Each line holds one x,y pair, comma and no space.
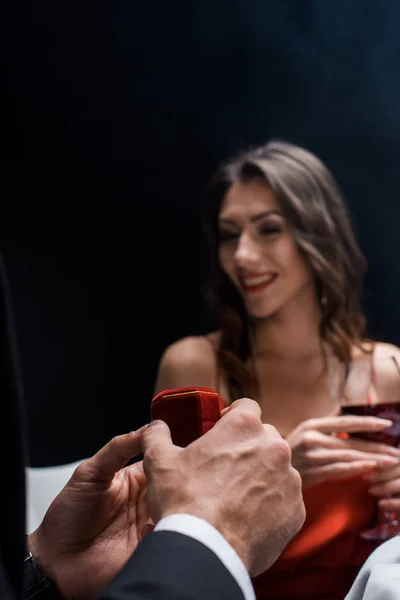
385,422
372,490
393,451
388,461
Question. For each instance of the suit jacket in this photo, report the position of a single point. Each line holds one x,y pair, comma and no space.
172,566
12,453
166,565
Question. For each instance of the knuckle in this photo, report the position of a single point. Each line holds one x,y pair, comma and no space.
310,424
151,432
302,513
296,499
152,453
282,451
155,425
308,439
245,421
301,509
249,401
296,480
114,441
81,470
349,455
152,458
271,431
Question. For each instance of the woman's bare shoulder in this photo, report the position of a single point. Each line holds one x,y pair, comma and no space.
383,361
386,362
387,359
191,348
189,361
386,350
379,351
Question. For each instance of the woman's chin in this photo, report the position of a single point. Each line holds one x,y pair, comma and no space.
262,307
260,314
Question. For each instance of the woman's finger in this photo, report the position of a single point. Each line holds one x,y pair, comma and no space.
323,456
382,475
389,488
347,424
390,504
362,445
341,469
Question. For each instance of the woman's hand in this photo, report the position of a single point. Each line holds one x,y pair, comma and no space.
318,454
385,483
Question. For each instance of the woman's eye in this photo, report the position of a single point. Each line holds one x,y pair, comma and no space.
227,236
270,229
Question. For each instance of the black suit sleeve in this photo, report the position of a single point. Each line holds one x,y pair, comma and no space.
171,566
12,451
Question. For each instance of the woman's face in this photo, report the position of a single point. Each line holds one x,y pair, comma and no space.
257,250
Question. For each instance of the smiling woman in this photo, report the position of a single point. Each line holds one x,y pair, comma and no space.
257,250
285,284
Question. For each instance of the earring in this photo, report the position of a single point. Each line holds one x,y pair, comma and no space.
323,300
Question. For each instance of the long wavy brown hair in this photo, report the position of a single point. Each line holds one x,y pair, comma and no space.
312,204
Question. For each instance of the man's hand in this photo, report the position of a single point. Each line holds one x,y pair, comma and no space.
96,522
238,477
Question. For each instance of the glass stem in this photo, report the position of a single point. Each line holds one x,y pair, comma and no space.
390,516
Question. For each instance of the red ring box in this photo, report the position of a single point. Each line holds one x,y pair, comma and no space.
189,412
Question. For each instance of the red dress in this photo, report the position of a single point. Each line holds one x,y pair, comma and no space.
323,560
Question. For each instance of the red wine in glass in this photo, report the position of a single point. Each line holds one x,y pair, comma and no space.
390,436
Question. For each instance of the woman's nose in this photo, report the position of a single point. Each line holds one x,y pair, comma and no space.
247,252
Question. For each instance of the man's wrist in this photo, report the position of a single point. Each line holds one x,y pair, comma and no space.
202,530
233,537
37,585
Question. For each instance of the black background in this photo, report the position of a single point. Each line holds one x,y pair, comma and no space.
116,115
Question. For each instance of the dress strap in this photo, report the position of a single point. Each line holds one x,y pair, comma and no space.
359,382
372,391
346,371
337,387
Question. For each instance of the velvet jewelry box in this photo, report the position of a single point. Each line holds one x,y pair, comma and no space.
189,412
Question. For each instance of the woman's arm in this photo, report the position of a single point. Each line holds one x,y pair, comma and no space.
386,373
190,361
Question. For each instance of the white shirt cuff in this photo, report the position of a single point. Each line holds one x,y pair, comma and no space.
207,534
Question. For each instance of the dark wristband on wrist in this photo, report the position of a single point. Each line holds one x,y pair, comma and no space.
37,585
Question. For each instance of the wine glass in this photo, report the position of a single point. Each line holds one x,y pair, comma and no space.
381,399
